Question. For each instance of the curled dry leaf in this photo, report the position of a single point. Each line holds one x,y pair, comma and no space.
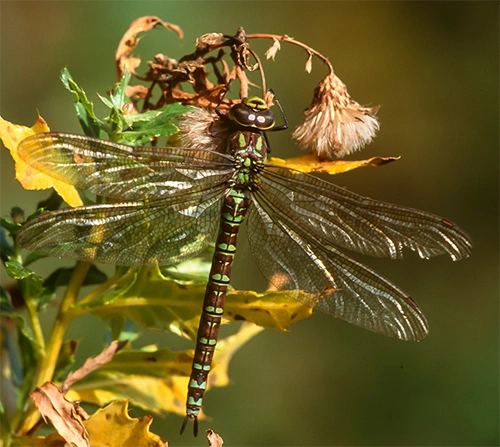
92,363
209,41
214,440
309,63
130,40
66,417
273,49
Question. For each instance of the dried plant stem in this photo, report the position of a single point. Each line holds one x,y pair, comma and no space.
285,38
47,364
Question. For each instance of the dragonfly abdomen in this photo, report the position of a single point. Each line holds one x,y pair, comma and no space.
233,212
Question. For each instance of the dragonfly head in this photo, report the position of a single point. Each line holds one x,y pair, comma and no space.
252,112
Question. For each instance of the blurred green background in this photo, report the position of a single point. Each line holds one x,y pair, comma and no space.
433,68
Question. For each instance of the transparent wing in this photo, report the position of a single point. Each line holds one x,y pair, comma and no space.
165,231
120,171
293,259
337,216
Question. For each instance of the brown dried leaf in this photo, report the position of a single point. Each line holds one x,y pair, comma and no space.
309,64
93,363
130,40
207,99
65,416
208,42
136,91
273,50
214,440
311,163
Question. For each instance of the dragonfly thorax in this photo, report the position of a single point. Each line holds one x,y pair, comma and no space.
249,150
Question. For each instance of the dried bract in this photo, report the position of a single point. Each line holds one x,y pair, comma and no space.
309,64
335,124
273,49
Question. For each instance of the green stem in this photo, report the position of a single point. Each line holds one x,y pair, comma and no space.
37,327
46,367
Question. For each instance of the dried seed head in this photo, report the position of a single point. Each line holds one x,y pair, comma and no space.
335,124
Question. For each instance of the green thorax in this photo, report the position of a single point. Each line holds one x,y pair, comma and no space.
249,150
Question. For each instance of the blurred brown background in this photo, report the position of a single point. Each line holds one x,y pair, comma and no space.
433,68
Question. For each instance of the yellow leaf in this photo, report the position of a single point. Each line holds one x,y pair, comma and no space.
272,309
311,163
154,394
30,178
110,426
113,427
163,389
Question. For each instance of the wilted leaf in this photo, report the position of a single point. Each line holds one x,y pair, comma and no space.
93,363
209,41
110,426
311,163
30,178
308,67
273,50
214,440
65,416
130,40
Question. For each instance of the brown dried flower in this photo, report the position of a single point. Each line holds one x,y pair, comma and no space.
335,124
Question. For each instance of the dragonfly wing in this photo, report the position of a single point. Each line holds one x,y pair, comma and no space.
121,171
163,232
294,259
338,216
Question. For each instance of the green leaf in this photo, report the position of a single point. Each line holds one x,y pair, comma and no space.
62,276
6,250
4,424
18,271
28,345
91,125
11,227
118,97
153,124
30,283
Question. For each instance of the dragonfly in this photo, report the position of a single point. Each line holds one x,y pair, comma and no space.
169,203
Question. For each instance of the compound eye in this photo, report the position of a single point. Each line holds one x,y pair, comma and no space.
264,120
242,115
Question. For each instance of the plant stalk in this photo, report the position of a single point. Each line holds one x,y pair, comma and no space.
46,367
